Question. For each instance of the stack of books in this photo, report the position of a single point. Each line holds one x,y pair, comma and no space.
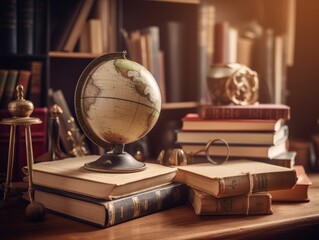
257,132
105,199
235,187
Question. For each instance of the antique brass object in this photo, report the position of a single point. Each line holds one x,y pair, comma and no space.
178,157
232,83
21,110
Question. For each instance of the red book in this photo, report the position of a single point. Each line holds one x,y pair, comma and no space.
256,111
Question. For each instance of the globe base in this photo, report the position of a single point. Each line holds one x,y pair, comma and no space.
113,162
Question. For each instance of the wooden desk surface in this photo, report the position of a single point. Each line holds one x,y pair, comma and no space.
296,219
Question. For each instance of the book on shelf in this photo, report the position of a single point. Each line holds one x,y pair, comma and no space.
63,29
297,194
152,34
263,64
233,137
174,47
245,51
24,77
102,12
39,28
8,27
95,35
143,47
105,213
36,68
78,26
9,88
25,26
247,204
261,111
237,150
192,121
3,79
70,175
206,21
234,178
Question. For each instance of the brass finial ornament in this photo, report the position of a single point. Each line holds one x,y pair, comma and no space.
232,83
20,107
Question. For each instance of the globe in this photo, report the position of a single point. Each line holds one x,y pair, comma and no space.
117,101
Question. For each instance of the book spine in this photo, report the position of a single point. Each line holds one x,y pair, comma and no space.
3,79
233,186
146,203
78,26
25,26
8,26
274,181
254,204
39,26
24,80
36,83
9,88
210,112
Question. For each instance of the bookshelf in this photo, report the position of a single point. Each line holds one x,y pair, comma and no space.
184,76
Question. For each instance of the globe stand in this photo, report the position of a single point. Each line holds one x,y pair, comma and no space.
116,161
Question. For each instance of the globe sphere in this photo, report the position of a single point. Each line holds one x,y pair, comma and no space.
117,101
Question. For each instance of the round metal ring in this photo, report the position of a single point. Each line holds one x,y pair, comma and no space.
210,142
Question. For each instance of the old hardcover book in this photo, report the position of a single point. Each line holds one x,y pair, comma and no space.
250,204
8,27
71,176
78,26
39,30
238,150
64,28
233,137
255,111
108,213
102,8
3,79
193,121
297,194
153,44
9,88
236,177
25,24
36,68
95,35
24,77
